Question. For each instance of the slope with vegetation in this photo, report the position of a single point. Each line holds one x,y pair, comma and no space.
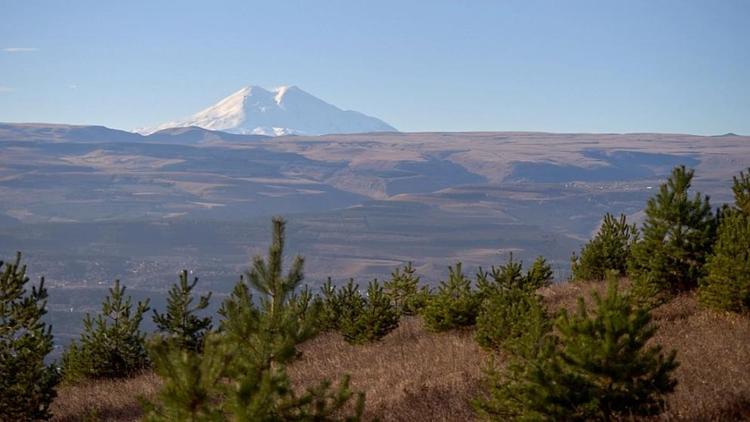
666,337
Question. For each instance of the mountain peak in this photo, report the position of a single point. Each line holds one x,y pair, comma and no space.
284,110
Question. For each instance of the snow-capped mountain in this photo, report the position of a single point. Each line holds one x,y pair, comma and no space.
282,111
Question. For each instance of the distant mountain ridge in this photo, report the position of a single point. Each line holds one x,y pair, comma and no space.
49,132
286,110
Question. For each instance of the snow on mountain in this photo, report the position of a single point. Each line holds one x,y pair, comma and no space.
286,110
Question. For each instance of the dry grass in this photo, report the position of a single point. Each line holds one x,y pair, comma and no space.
565,295
714,354
106,400
411,375
713,349
415,375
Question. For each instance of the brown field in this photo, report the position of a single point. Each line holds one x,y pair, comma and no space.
414,375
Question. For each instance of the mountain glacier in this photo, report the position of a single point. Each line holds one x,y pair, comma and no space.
286,110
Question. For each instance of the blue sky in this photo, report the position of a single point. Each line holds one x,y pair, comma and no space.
563,66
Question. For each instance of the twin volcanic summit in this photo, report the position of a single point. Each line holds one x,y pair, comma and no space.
286,110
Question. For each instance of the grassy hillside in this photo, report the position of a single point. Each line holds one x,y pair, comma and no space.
415,375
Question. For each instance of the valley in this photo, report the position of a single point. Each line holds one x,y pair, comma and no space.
88,205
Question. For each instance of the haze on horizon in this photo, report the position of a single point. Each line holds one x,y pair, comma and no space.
579,66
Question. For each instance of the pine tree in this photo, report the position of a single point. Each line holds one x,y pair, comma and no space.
370,318
510,276
678,235
330,313
503,277
180,322
27,385
741,189
112,344
404,291
241,373
507,315
609,250
727,282
539,274
594,366
191,381
351,305
510,306
454,304
359,318
306,306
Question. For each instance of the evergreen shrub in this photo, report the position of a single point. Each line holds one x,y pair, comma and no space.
27,383
609,250
455,304
726,285
241,374
111,345
595,366
678,235
180,323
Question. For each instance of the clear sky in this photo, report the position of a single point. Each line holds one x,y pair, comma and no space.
563,66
